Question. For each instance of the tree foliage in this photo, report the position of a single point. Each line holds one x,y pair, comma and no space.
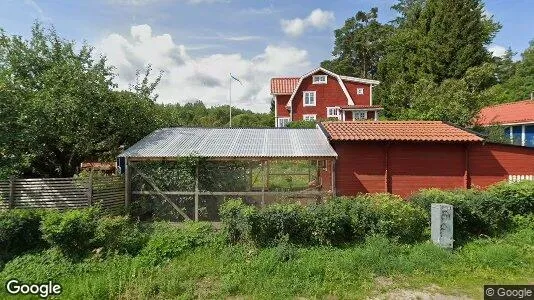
439,48
59,107
359,45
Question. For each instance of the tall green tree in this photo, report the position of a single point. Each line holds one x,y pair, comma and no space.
520,84
437,41
359,45
59,106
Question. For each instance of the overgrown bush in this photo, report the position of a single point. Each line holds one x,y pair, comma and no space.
336,222
170,240
72,232
19,232
482,212
118,234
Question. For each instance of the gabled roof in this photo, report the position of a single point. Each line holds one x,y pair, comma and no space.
339,80
421,131
230,143
507,113
362,107
283,85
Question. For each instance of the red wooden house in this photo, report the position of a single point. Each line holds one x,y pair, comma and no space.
322,94
401,157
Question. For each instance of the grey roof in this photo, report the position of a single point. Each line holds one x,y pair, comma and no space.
232,143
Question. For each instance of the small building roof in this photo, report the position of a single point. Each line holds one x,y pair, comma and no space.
283,85
423,131
230,143
507,113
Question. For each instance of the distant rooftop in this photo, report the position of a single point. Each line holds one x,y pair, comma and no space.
427,131
507,113
232,143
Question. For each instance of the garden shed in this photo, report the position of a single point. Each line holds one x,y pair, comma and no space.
402,157
189,171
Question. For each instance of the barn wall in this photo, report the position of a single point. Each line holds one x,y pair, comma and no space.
361,166
352,88
491,163
281,102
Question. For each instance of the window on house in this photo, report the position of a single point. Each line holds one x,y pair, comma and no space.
332,112
309,98
282,122
359,115
309,117
359,91
319,79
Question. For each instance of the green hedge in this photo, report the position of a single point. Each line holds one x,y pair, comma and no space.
336,222
482,212
19,232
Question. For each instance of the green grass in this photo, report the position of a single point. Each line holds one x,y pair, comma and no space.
218,270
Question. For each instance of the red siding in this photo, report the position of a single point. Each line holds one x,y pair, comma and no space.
329,94
361,166
491,163
415,166
281,102
352,88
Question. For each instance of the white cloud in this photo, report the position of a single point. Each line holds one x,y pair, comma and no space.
497,50
187,78
258,11
318,18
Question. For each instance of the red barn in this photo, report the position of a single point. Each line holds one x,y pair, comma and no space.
322,94
402,157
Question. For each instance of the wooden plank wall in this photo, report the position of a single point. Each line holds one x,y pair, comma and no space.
62,193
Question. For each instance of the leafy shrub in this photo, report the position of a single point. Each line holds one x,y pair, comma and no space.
118,234
235,216
168,240
269,225
331,224
518,197
475,212
73,231
397,219
336,222
19,232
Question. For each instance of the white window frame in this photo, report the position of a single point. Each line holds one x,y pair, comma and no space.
316,79
309,117
280,119
360,91
304,98
355,112
337,116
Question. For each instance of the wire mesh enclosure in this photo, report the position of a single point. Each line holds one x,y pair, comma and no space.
194,188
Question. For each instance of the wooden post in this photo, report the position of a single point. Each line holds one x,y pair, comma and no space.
333,162
467,172
196,194
263,183
12,192
268,175
90,189
127,183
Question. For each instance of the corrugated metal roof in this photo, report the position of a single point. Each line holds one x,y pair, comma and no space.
232,142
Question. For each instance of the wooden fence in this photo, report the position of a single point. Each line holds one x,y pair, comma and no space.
63,193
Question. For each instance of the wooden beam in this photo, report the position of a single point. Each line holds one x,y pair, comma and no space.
387,180
90,189
263,184
333,162
11,192
127,183
236,193
196,194
159,192
467,174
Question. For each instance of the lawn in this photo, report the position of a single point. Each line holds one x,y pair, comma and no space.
376,268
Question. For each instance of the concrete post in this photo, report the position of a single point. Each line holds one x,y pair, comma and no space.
442,225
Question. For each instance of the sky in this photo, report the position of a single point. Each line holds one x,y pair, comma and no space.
198,43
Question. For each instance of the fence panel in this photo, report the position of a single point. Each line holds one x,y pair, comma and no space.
63,193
